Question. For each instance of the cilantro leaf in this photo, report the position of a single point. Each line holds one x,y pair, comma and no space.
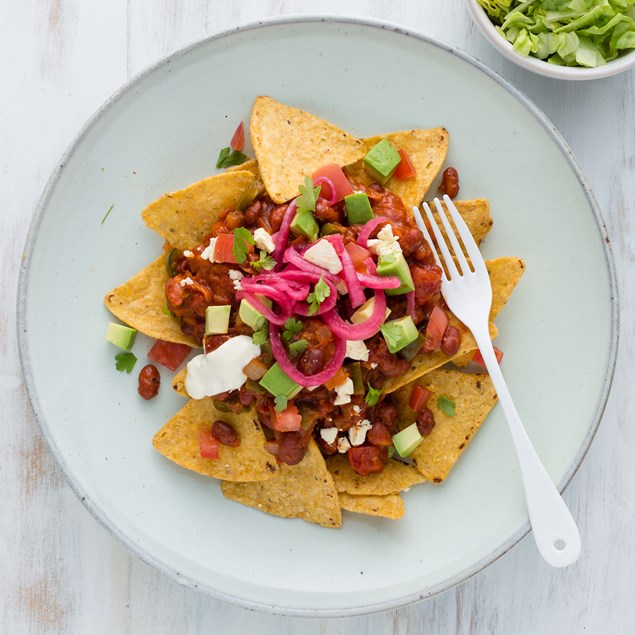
261,335
393,335
308,196
291,327
372,396
228,157
242,240
320,292
295,348
103,220
166,311
281,403
125,362
446,405
265,262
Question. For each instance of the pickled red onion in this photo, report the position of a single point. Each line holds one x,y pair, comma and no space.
326,181
268,313
363,331
293,257
328,303
282,236
369,228
355,291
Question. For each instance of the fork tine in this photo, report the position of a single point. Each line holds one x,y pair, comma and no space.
447,256
426,234
449,230
466,236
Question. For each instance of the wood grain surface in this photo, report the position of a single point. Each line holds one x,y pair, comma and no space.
61,571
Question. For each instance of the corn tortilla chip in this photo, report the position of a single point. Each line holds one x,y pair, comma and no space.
305,490
426,149
473,395
140,303
395,477
476,215
183,218
250,166
178,382
178,440
291,144
389,506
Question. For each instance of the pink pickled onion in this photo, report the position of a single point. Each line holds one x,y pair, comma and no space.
369,228
293,257
362,331
410,299
326,181
282,236
326,305
287,366
379,282
255,302
355,291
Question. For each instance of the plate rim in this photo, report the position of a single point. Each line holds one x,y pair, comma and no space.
24,278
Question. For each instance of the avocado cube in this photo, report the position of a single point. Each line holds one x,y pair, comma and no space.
251,316
407,441
399,333
279,384
217,319
358,208
303,224
382,161
120,335
394,264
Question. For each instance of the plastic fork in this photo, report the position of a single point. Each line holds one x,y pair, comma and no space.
468,293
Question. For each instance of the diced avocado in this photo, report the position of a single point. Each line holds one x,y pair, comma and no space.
399,333
250,316
303,224
217,319
330,228
407,440
354,371
279,384
409,352
382,161
358,208
394,264
365,311
121,336
171,259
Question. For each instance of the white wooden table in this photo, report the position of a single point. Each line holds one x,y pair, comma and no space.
61,571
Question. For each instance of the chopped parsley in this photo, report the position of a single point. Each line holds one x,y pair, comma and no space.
446,405
308,196
372,396
281,403
291,328
265,262
261,335
125,362
228,157
295,348
320,292
242,240
103,220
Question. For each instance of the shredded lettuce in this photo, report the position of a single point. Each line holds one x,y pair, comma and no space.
566,32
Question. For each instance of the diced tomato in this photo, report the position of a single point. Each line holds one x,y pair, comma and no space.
437,324
208,445
334,173
338,379
478,358
238,140
168,354
405,169
367,459
224,249
358,256
419,398
289,420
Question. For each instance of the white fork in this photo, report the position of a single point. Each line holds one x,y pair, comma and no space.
468,293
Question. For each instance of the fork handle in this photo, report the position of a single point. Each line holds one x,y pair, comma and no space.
555,532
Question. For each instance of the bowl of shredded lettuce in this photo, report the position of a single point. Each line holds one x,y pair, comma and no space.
566,39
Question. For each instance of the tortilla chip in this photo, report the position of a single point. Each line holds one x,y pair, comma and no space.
178,382
291,144
390,506
183,218
305,490
476,215
250,166
426,149
178,440
474,396
140,303
395,477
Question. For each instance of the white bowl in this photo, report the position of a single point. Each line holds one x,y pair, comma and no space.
480,17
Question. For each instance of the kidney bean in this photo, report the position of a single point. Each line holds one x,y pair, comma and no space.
425,422
225,433
149,381
451,341
291,448
367,459
450,182
379,435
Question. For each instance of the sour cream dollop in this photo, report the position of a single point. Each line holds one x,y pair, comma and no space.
222,369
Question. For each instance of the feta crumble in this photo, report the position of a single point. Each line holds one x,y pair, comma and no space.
344,392
236,276
356,349
357,434
186,281
343,445
264,240
356,409
329,435
208,252
385,243
188,254
323,255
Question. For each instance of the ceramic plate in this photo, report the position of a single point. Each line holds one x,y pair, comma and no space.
163,131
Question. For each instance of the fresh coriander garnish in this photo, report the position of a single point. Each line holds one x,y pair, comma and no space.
308,196
291,327
242,239
446,405
295,348
265,262
125,362
372,396
166,311
103,220
261,335
320,292
392,333
228,157
281,403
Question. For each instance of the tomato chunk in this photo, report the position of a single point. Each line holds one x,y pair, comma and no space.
334,172
437,324
224,248
168,354
337,380
238,140
208,445
419,398
405,169
367,459
478,358
289,420
358,256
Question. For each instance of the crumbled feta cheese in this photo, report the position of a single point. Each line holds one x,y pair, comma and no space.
236,276
357,434
373,365
344,392
356,409
186,281
385,243
208,252
356,349
343,445
264,240
323,255
188,254
329,435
